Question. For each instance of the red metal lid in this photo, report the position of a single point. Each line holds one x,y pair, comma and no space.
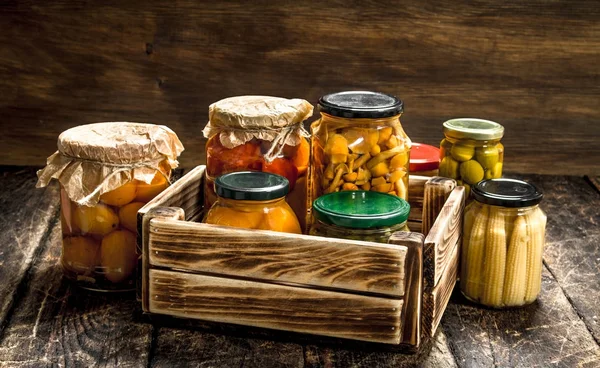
424,157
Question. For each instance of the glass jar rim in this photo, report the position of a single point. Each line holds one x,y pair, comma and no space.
361,209
251,186
472,128
506,192
364,231
360,104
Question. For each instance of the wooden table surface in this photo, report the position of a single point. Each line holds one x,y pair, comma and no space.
46,321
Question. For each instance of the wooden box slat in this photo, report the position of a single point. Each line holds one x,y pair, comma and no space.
270,256
186,262
436,299
445,234
280,307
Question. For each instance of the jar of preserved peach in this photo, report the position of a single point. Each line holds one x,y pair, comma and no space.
503,243
359,144
253,200
107,172
259,133
471,151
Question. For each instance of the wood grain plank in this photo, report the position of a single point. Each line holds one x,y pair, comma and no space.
177,347
57,324
572,252
435,300
415,226
527,65
435,193
280,257
416,191
275,306
548,333
595,181
434,353
142,282
443,237
28,216
413,271
186,193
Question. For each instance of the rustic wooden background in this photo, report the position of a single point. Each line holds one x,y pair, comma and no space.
532,66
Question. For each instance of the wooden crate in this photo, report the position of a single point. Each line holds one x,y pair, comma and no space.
391,293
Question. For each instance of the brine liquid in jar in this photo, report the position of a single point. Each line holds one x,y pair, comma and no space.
471,151
253,200
359,144
503,243
259,133
107,172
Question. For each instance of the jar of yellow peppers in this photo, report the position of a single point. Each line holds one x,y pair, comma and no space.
359,144
503,242
471,151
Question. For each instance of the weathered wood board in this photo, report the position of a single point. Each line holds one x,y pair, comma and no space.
275,306
435,299
546,333
261,255
443,237
54,323
29,215
528,65
572,253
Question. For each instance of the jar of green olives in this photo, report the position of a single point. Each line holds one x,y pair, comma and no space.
471,151
359,215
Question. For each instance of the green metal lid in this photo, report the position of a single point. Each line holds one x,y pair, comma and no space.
477,129
251,186
361,209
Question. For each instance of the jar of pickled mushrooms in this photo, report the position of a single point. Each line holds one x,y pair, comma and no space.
359,144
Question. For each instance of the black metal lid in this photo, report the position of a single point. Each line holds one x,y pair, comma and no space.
507,193
360,104
251,186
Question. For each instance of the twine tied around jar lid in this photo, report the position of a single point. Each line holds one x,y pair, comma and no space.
96,158
240,119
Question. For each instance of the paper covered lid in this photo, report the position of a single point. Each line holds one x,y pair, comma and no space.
258,112
238,120
96,158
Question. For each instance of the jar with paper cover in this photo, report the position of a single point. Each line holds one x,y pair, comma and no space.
259,133
107,172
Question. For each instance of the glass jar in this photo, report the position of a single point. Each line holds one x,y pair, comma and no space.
471,151
359,144
253,200
503,242
359,215
107,172
260,133
424,159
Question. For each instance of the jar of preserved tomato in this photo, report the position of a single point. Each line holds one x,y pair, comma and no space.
503,242
359,144
259,133
471,151
107,172
359,215
253,200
